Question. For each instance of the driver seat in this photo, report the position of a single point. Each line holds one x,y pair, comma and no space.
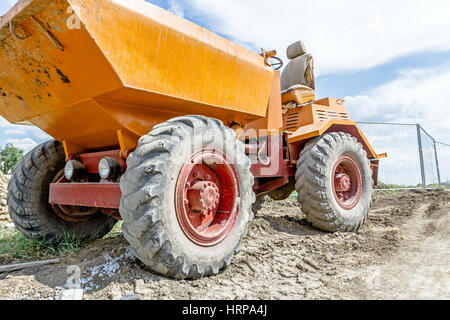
297,79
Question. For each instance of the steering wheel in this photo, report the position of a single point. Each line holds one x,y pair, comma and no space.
277,64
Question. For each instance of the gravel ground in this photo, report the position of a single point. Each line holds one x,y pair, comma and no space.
3,192
402,253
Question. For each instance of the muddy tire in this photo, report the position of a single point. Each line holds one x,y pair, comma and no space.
334,183
258,204
151,208
28,193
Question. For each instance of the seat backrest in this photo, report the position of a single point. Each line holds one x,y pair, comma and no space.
300,70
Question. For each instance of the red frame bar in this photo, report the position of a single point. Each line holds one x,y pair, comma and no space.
89,194
98,195
91,160
374,165
276,157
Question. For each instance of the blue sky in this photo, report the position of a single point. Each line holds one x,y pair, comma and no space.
390,60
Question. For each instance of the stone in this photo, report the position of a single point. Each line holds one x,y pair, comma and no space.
131,296
139,287
115,294
71,294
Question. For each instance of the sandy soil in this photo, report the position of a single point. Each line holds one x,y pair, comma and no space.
402,253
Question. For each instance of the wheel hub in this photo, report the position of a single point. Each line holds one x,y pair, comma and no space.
342,182
203,196
347,185
207,193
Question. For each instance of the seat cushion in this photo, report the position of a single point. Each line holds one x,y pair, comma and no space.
299,71
295,50
299,94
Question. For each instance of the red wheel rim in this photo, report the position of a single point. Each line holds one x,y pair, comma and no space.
207,193
347,182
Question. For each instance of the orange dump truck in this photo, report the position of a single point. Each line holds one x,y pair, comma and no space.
171,128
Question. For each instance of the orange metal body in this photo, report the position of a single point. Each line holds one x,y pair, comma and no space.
129,66
272,123
315,119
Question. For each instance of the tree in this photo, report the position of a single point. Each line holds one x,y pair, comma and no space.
10,157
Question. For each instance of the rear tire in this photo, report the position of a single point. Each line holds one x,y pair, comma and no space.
150,198
28,193
316,183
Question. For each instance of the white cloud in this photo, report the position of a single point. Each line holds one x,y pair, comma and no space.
16,130
415,96
5,5
342,35
26,144
39,134
4,123
176,8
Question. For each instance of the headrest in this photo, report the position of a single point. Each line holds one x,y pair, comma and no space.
295,50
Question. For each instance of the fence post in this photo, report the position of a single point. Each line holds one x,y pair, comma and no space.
422,165
437,163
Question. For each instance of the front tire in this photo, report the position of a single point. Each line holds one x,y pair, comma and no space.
334,183
176,216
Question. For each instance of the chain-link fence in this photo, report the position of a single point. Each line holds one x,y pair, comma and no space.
415,159
443,155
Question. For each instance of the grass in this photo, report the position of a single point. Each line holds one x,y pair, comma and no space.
294,195
116,231
16,247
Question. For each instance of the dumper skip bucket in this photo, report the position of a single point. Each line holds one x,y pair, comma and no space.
84,70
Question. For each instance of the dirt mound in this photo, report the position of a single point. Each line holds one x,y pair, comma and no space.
3,193
420,269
